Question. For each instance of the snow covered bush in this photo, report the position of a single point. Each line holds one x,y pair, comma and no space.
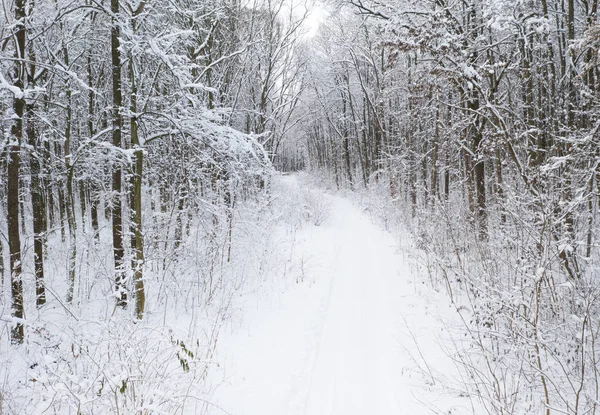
107,367
316,206
529,340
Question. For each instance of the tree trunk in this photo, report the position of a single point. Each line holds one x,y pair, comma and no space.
49,188
435,156
117,125
37,199
365,145
2,262
14,236
476,138
345,139
70,197
137,242
500,186
94,188
61,211
95,205
38,209
82,185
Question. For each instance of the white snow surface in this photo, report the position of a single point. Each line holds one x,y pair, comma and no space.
353,328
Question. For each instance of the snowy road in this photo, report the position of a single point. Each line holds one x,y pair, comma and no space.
349,340
358,350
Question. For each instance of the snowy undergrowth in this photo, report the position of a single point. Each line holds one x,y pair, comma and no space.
528,338
434,252
97,358
442,250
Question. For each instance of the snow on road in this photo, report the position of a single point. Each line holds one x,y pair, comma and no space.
350,331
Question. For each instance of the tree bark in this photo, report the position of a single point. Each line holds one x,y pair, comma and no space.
70,198
435,156
94,190
137,241
117,125
14,236
345,136
37,198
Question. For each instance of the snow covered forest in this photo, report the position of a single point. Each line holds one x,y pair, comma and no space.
287,207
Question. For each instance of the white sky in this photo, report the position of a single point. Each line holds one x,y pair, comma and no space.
315,18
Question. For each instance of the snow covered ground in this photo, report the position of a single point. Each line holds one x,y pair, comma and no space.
353,328
321,313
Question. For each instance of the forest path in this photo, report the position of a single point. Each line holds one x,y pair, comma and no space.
358,363
350,339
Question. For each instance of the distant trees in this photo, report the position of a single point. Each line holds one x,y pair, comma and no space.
348,130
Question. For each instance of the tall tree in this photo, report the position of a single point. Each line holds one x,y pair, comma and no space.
38,206
117,141
16,131
137,239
